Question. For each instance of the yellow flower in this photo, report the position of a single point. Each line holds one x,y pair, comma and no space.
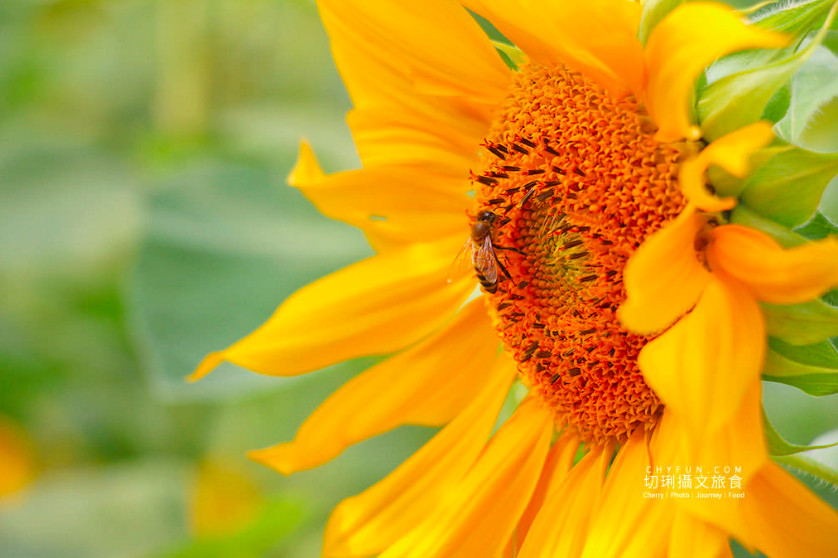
222,500
17,463
592,233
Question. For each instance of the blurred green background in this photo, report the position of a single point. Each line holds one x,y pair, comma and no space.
145,221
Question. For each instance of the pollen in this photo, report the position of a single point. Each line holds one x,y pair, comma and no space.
576,182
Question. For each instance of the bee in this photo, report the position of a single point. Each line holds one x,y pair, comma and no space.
484,258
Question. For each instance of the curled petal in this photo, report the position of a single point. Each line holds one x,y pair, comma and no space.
774,274
664,277
732,153
680,47
704,365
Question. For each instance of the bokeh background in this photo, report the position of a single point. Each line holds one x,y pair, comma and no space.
145,221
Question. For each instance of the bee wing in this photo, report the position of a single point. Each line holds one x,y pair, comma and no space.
461,262
483,259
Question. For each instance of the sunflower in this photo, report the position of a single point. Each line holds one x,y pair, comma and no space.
612,285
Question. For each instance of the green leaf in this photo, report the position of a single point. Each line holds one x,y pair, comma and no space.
131,509
811,467
791,17
725,184
817,227
742,215
512,55
65,209
812,117
801,324
821,354
224,246
829,202
810,368
276,521
777,445
788,187
653,12
741,85
778,105
739,99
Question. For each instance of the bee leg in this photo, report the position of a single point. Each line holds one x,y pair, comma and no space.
510,248
502,267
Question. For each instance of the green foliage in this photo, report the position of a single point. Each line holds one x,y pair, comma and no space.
744,87
653,12
143,150
274,522
811,368
742,215
788,187
792,16
801,324
812,117
223,246
777,445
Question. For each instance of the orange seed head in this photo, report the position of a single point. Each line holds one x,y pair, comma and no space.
576,182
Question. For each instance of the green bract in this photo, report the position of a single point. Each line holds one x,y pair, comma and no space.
788,187
796,88
653,12
811,368
741,88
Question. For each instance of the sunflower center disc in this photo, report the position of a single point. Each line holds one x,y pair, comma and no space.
575,181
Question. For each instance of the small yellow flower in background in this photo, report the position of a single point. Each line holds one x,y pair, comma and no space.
223,500
17,466
613,284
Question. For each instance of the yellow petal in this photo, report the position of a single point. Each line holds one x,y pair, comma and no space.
368,523
738,448
561,526
17,467
664,277
376,306
435,44
392,205
777,515
704,365
670,448
693,538
626,524
680,47
385,137
556,468
478,516
598,37
732,153
427,384
428,63
774,274
785,519
740,443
